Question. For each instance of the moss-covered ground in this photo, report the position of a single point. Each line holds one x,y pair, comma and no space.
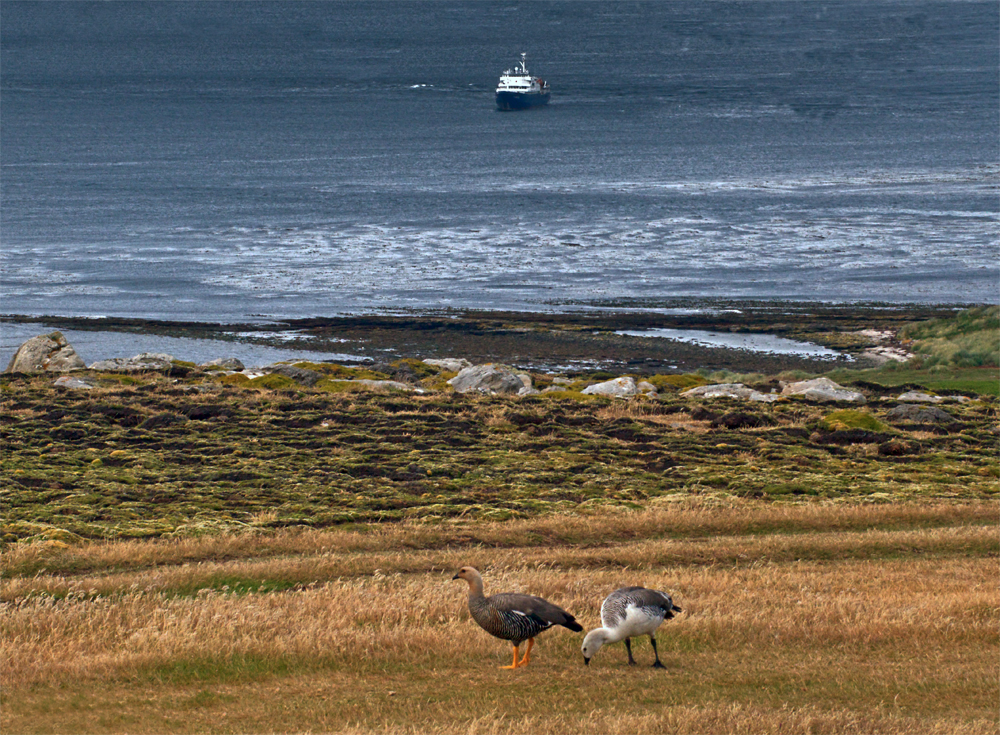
152,455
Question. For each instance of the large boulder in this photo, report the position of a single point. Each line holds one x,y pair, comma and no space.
490,378
822,390
450,364
226,363
730,390
916,396
140,363
303,376
911,413
45,353
623,387
382,384
70,383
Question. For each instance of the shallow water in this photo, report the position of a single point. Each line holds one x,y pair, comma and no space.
94,346
754,342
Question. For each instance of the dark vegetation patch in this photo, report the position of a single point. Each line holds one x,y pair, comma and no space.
159,456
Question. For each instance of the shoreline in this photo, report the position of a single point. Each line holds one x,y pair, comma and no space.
570,342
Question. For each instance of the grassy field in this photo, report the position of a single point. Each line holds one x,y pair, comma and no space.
191,552
833,618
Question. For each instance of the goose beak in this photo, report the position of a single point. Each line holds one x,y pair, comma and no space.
456,577
586,661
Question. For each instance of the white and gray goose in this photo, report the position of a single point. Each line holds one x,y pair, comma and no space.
626,613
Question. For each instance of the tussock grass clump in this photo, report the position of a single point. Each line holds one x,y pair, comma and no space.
970,339
677,383
850,418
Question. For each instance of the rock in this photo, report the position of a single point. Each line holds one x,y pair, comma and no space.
302,376
402,372
563,381
229,363
623,387
730,390
528,389
920,414
646,387
555,389
45,353
882,355
450,364
139,363
382,384
490,378
73,383
822,389
919,397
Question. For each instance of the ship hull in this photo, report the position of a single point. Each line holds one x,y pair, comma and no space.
520,100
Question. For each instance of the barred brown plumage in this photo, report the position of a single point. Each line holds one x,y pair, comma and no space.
513,617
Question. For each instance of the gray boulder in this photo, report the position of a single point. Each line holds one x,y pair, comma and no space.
730,390
303,376
912,413
623,387
228,363
382,384
490,378
46,353
73,383
916,396
451,364
822,390
139,363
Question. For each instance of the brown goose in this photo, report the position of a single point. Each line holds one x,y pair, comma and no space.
513,617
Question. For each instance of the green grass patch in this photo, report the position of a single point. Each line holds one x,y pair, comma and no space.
970,339
677,382
850,418
978,381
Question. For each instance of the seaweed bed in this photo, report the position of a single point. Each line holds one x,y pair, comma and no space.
563,341
166,455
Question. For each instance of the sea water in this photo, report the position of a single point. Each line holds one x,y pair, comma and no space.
258,160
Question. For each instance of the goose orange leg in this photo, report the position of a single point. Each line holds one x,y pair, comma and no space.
527,653
513,665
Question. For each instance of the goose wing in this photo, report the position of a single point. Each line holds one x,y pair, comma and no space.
615,606
542,612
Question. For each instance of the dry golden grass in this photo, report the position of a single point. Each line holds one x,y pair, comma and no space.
820,619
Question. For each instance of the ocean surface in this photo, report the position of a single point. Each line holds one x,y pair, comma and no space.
247,161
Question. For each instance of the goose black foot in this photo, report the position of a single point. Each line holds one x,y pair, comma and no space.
656,653
628,647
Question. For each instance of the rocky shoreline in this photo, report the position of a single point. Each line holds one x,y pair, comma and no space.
864,335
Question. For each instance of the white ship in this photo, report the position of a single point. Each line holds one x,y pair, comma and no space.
518,90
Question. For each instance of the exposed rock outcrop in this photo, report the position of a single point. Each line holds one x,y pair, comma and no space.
822,390
71,383
911,413
451,364
304,376
730,390
139,363
490,378
228,363
623,387
45,353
